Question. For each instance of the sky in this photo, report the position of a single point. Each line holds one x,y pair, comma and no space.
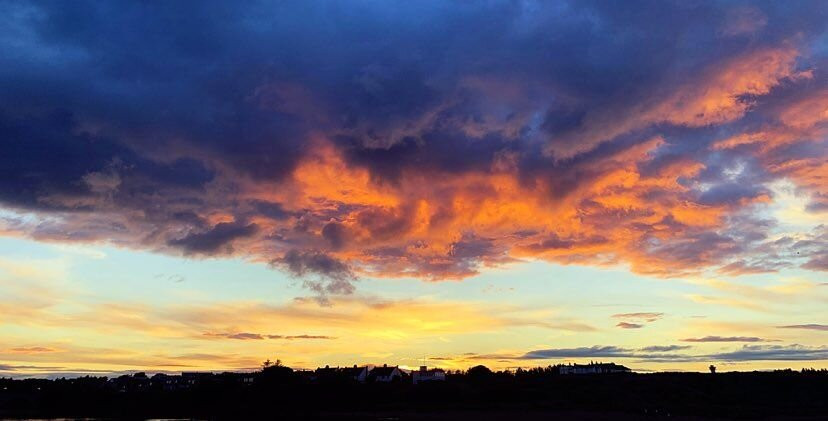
205,185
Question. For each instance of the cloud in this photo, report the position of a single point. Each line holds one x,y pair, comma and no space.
300,337
647,317
32,350
810,326
215,239
640,319
416,158
258,336
794,352
664,348
774,353
335,277
743,20
16,368
725,339
312,262
652,353
242,335
582,352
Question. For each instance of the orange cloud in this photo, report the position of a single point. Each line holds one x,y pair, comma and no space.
721,93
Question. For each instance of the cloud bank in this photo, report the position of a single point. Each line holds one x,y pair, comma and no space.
425,140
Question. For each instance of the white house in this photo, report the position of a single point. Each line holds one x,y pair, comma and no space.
426,375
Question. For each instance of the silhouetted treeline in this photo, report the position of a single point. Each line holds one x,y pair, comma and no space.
478,393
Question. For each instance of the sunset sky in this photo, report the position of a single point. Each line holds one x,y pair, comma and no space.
201,186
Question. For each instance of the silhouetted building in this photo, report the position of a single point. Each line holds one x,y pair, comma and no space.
192,378
356,373
385,374
593,368
359,374
426,375
166,382
127,383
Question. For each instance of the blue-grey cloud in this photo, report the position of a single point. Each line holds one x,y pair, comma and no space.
332,275
793,352
665,348
581,352
216,238
725,339
774,353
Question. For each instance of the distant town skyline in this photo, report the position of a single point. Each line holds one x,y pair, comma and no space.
200,186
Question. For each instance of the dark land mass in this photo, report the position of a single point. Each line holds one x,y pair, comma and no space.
478,394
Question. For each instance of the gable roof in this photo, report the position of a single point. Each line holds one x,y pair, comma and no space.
352,371
382,371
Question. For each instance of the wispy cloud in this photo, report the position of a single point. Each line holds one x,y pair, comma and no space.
725,339
774,353
33,350
647,317
810,326
792,352
259,336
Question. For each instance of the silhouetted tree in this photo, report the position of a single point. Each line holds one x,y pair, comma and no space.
712,368
277,373
479,372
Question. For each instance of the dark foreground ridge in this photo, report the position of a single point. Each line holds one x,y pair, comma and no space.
278,392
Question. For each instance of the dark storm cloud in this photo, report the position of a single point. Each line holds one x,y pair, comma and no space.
572,123
334,276
308,262
227,76
270,209
48,159
336,234
215,239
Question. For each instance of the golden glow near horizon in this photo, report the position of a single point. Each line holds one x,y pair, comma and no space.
56,321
